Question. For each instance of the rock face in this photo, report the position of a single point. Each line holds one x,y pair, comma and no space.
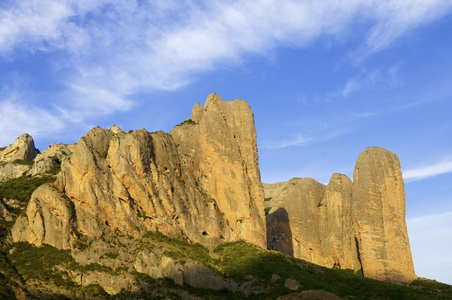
49,219
14,158
22,148
379,217
312,221
220,150
200,183
359,225
337,218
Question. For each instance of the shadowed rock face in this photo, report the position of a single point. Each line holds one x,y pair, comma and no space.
279,233
315,220
359,225
201,183
379,217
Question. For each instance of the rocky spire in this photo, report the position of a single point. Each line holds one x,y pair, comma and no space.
379,217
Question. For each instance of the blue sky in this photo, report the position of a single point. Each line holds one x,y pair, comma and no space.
325,79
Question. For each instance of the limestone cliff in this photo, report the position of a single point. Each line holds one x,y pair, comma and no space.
359,225
200,183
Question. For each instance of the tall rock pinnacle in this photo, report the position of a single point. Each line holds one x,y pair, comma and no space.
379,217
359,225
222,150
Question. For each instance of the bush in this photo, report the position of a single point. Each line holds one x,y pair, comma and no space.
40,262
21,188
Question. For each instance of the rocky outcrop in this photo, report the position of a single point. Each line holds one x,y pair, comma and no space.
11,169
337,222
312,221
219,148
299,216
379,217
15,159
23,148
50,159
359,225
200,183
49,219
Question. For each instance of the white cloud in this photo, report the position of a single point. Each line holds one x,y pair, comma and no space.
374,80
18,118
128,47
420,173
431,241
297,141
396,18
300,140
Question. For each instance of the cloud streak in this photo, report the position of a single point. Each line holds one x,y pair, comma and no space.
377,79
302,140
424,172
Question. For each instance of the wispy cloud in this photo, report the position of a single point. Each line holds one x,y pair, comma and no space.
104,52
303,140
18,118
443,167
374,80
297,141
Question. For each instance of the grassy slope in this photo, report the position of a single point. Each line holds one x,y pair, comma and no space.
23,265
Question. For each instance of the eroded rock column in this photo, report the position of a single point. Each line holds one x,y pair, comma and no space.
378,209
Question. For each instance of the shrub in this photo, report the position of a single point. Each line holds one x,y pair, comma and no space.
21,188
25,162
188,121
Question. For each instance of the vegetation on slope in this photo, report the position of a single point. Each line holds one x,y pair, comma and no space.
25,265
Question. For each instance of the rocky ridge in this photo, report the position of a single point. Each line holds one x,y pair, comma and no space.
357,225
140,181
110,198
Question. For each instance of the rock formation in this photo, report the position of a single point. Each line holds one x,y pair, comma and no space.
139,201
22,148
220,150
312,221
379,217
201,183
359,225
14,158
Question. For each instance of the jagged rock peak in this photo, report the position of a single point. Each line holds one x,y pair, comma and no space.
115,129
221,143
200,183
22,148
379,216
